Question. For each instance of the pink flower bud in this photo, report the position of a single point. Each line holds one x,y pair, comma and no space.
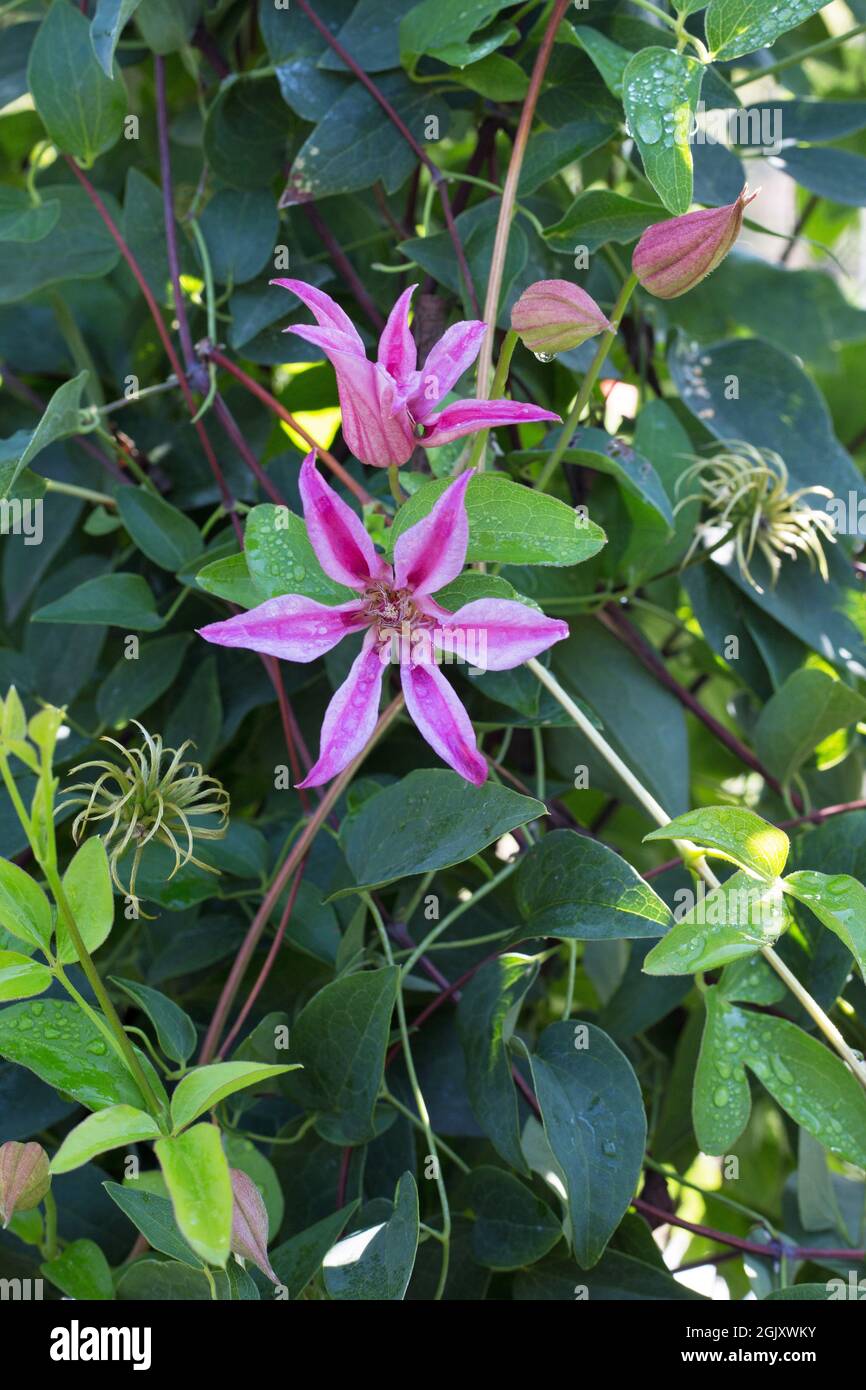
672,257
250,1223
553,316
24,1178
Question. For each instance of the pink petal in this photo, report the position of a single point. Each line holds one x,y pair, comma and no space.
343,548
324,309
433,551
350,717
442,720
446,362
292,627
466,416
498,633
376,430
397,351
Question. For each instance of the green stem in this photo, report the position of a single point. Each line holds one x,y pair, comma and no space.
99,499
811,52
693,859
500,377
659,14
413,1120
572,975
78,348
456,912
49,1244
85,960
394,484
420,1103
587,384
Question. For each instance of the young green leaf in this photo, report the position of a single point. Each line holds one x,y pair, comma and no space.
281,560
54,1039
732,833
660,93
510,524
87,885
205,1087
61,418
197,1175
24,909
735,27
594,1119
21,977
837,900
807,1080
107,1129
808,708
736,919
80,1271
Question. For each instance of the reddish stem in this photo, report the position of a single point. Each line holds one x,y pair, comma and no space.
771,1250
265,971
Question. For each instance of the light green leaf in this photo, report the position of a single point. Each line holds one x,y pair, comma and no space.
509,523
512,1226
24,909
595,1123
204,1087
809,707
732,833
197,1175
737,919
81,1271
575,888
81,108
21,977
432,814
175,1029
54,1039
61,418
111,600
837,900
660,95
107,1129
281,560
807,1080
433,24
485,1014
87,884
735,27
376,1264
164,534
340,1039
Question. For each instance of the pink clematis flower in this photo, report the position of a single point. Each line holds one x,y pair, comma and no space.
388,406
396,607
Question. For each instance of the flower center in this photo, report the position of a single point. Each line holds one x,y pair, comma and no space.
387,607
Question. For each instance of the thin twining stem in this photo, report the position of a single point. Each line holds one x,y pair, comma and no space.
693,859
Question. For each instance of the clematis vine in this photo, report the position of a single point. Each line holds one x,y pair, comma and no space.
388,406
396,609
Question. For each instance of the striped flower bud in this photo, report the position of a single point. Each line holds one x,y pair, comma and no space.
24,1178
554,316
672,257
250,1223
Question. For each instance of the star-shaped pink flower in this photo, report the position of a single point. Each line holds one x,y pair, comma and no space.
387,406
396,607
